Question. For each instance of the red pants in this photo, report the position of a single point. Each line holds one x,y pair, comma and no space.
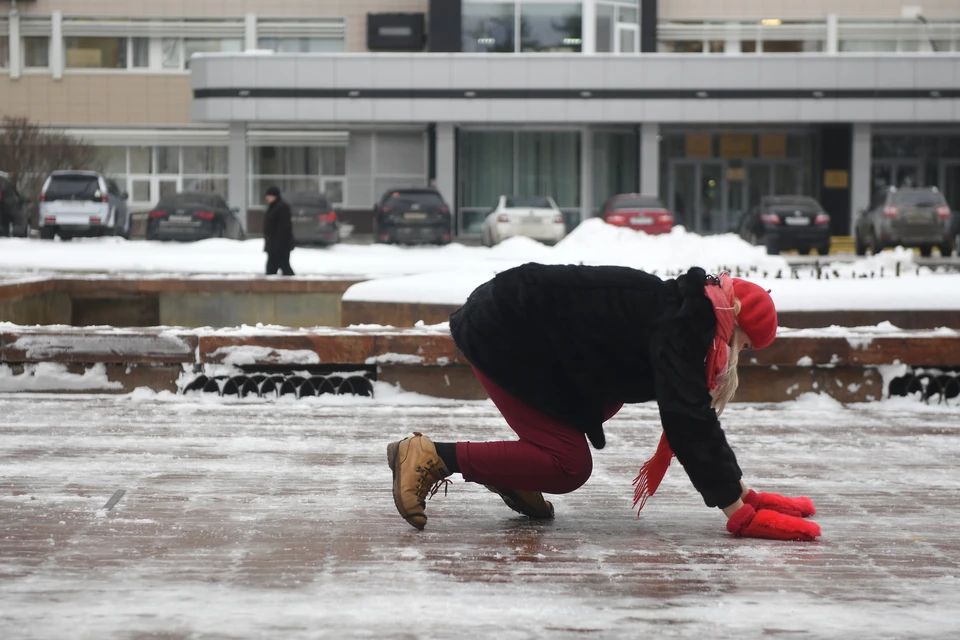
550,456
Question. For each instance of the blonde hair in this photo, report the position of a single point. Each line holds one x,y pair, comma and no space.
729,381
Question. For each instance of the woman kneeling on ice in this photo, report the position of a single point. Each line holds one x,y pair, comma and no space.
560,349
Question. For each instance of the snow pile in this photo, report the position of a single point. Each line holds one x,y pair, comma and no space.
252,354
49,376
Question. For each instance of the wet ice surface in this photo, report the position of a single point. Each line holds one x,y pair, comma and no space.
276,520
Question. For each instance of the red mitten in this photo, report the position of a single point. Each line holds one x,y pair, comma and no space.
801,507
750,523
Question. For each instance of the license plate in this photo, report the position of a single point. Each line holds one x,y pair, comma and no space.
797,222
641,220
180,219
414,216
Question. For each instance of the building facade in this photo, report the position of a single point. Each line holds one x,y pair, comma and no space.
709,103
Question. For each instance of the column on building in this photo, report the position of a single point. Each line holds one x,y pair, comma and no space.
237,169
588,29
833,39
445,153
586,173
56,45
650,158
860,170
15,61
250,32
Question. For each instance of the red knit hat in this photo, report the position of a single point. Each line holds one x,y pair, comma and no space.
758,315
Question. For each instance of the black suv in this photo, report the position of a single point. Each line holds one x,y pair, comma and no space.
13,211
416,215
910,217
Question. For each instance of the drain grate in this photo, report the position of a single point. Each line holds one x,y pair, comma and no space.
941,386
273,382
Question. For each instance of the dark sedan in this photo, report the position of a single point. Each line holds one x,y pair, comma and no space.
412,216
193,216
787,222
314,220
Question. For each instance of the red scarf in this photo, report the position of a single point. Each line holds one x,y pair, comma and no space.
720,292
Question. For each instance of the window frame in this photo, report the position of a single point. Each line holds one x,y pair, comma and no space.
130,51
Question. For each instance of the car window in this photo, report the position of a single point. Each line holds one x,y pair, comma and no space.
187,199
538,202
918,198
422,198
637,202
72,187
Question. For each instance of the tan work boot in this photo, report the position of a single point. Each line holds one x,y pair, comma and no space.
418,472
528,503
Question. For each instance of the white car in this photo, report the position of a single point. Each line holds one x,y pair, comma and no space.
536,217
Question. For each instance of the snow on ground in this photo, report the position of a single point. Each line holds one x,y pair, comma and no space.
254,519
447,275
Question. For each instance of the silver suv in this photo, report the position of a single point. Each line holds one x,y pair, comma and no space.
82,204
910,217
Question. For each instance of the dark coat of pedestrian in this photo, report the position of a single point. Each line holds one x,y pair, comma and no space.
278,239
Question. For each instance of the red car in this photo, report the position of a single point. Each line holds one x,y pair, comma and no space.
638,212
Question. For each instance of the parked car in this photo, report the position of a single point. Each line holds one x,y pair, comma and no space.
536,217
955,231
909,217
314,220
416,215
13,209
192,215
638,212
82,204
787,222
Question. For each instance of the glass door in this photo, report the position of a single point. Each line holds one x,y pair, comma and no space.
697,195
628,38
950,182
897,173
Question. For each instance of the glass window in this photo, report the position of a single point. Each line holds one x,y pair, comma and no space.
95,53
628,14
170,53
486,166
748,46
140,191
36,52
680,46
141,53
548,164
114,160
489,27
615,161
792,46
605,22
168,159
4,52
141,160
209,45
302,45
286,161
206,185
286,185
551,27
205,160
854,46
333,161
333,189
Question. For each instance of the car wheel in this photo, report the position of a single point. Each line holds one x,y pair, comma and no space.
804,252
859,245
824,250
946,250
47,233
875,247
926,251
772,248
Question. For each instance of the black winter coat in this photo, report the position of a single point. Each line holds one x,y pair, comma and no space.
278,228
571,340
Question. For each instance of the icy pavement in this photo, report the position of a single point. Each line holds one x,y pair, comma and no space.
255,519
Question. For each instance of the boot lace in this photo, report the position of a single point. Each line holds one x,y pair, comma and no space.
429,480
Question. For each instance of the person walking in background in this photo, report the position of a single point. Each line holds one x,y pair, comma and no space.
277,234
